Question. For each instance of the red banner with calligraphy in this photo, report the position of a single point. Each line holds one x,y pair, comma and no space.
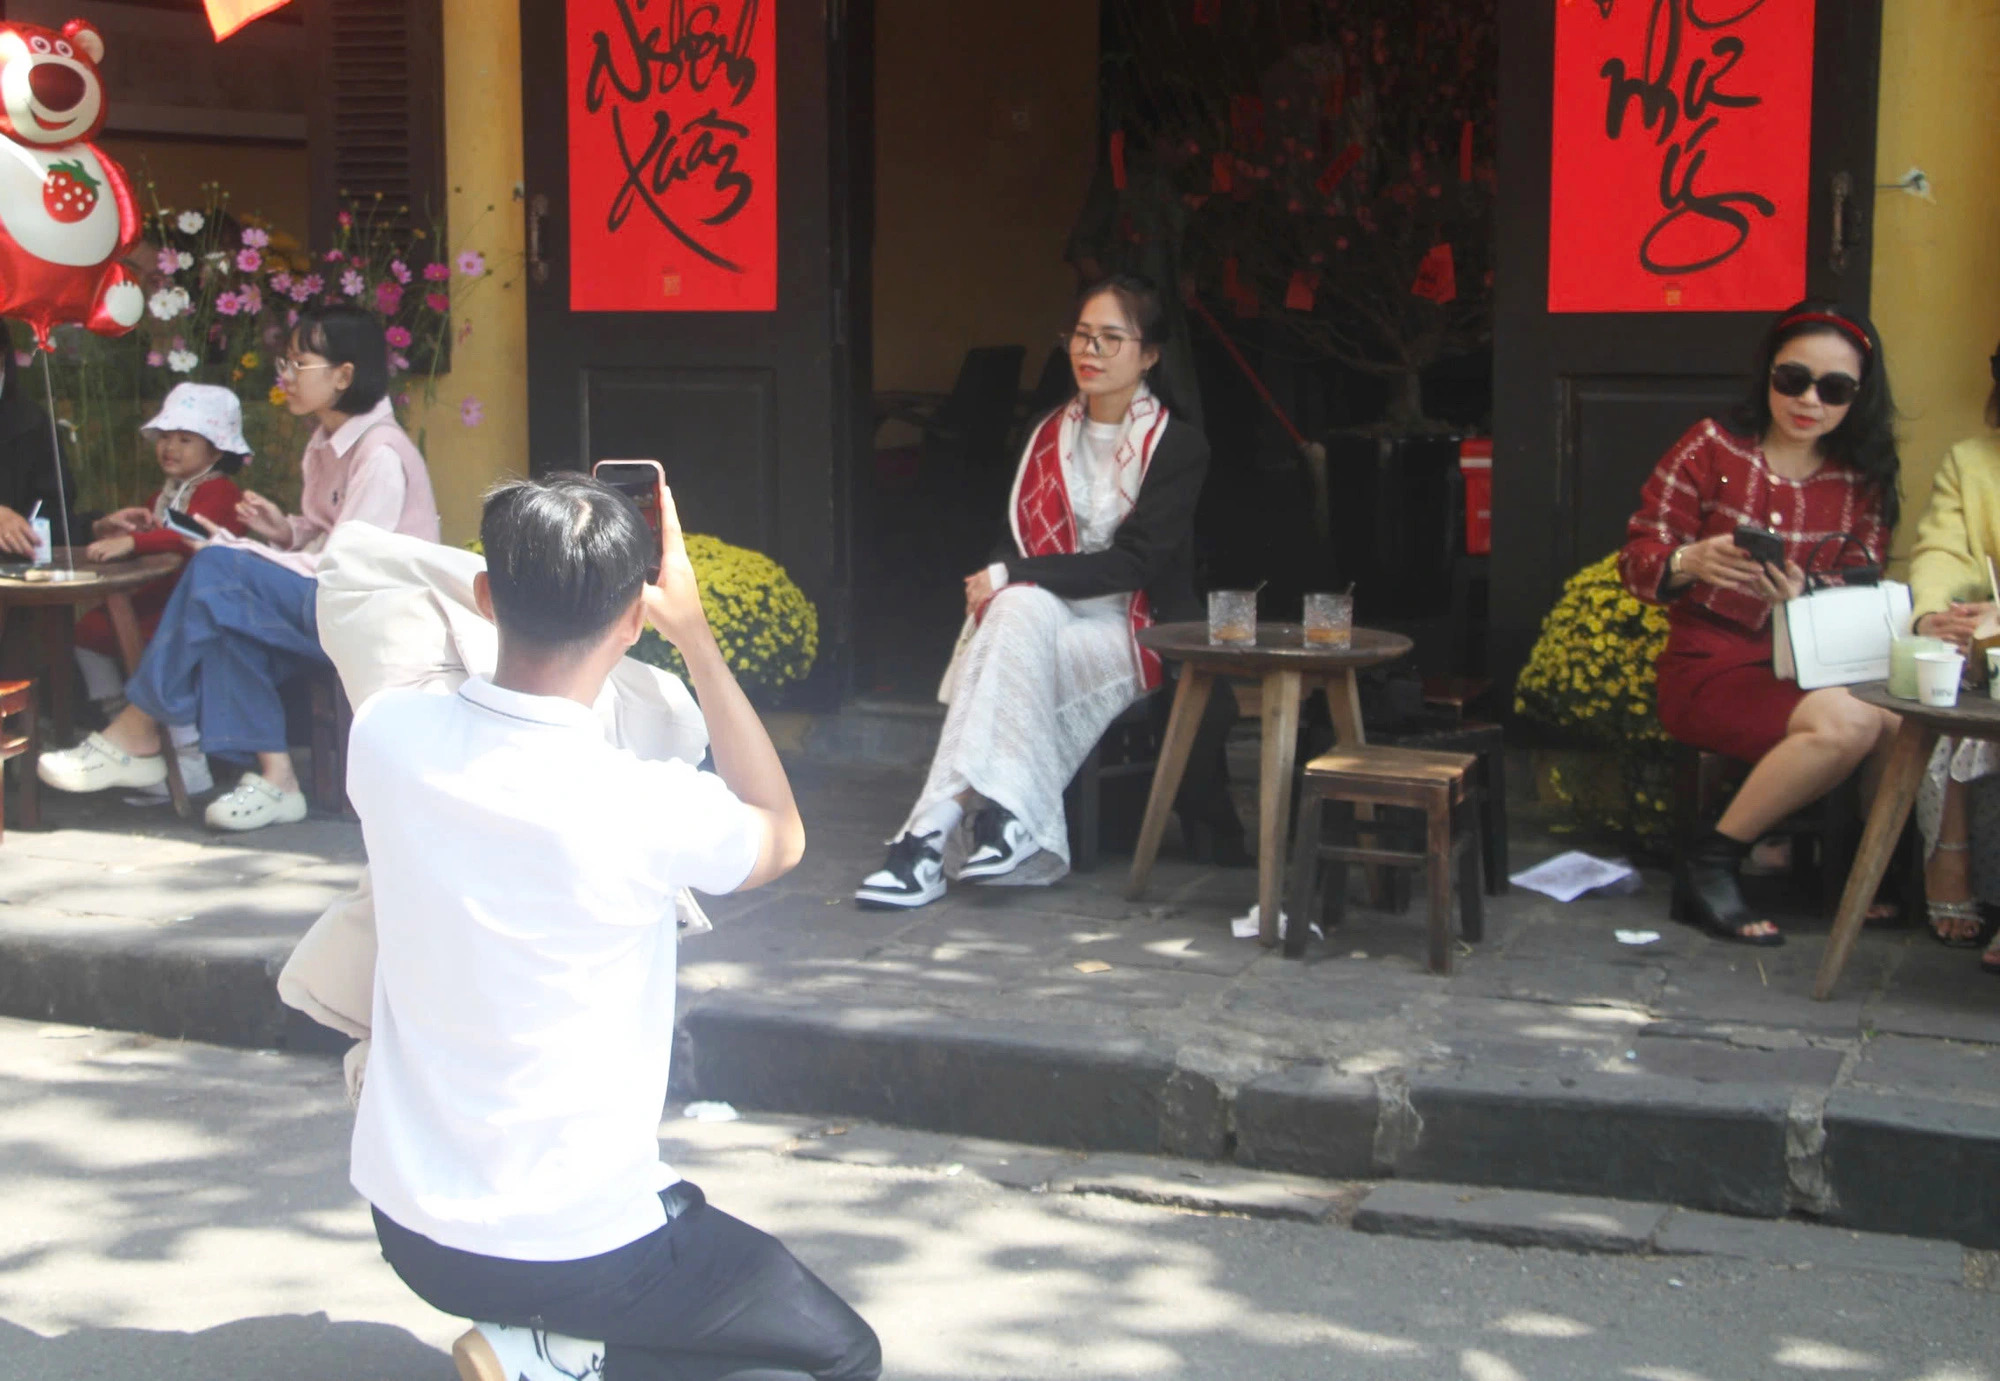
673,155
1680,164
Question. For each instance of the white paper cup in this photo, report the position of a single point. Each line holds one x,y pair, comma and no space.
45,551
1937,678
1993,672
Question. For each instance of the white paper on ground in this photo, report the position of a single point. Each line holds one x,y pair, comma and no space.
710,1112
1247,927
1569,875
1636,937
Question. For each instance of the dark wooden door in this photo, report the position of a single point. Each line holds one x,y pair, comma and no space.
1585,403
659,136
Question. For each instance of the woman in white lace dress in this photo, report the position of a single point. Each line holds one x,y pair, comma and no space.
1101,520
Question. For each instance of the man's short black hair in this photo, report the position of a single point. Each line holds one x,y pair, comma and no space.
565,556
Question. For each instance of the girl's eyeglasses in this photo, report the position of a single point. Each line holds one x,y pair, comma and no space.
291,369
1082,342
1793,380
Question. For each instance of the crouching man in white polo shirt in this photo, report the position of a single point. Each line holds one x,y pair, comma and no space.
524,875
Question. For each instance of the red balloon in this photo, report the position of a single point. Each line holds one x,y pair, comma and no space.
67,214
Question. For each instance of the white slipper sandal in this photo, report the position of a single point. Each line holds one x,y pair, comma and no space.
97,764
254,803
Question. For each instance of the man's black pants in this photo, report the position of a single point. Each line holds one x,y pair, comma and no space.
705,1298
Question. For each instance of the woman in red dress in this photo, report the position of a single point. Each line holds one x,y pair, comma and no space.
1810,455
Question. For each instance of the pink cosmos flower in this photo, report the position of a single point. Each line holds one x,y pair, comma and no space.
352,283
402,400
255,238
281,282
252,298
471,412
24,358
437,302
154,359
334,256
388,297
169,261
397,363
401,271
291,317
398,336
229,304
472,263
436,273
249,260
306,288
346,219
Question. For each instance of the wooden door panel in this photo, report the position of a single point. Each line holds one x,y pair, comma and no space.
1614,430
711,429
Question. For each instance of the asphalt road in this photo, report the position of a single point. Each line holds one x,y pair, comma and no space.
181,1213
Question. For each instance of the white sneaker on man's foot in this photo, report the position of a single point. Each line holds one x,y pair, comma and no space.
498,1352
254,803
97,764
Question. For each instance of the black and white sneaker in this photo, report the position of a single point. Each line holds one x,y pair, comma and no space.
912,876
1000,844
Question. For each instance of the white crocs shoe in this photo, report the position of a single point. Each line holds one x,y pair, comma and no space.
97,764
497,1352
254,803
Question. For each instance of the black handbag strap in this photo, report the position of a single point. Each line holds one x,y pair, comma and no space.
1867,573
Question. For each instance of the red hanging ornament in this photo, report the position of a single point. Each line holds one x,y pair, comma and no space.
1299,292
1465,152
1437,276
1118,159
1342,165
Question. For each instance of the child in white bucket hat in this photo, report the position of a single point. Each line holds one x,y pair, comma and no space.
198,439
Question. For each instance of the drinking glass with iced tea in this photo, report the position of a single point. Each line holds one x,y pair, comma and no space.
1329,620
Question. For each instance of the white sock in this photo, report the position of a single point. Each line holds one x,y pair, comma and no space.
103,677
185,737
940,819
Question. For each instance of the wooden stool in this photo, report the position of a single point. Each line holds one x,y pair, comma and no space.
1437,784
17,703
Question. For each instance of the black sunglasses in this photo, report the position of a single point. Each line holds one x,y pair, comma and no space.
1835,390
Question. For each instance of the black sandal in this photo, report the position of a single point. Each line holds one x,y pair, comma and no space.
1706,894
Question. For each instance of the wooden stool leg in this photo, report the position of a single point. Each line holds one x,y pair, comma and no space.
131,647
1305,872
1437,871
1493,822
1893,799
31,801
1471,854
1190,701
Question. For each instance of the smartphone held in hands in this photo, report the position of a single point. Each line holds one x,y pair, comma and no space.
638,480
1761,544
180,521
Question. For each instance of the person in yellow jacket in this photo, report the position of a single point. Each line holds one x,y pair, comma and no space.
1951,595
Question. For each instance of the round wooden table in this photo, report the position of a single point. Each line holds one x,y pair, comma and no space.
1974,716
1290,668
55,602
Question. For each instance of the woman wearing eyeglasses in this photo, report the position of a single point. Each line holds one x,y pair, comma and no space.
242,620
1958,805
1101,543
1809,453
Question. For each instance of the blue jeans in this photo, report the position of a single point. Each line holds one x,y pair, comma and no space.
237,628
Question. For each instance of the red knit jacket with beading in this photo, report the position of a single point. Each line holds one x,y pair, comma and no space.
1713,481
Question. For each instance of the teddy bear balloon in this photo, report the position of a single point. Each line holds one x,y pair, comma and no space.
67,215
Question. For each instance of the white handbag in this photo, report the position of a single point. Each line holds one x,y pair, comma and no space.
1838,635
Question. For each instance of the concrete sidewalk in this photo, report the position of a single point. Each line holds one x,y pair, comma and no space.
1686,1071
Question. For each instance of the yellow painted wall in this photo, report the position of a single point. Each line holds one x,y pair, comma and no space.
482,91
985,137
1937,263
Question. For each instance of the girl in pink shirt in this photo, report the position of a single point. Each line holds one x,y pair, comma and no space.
243,619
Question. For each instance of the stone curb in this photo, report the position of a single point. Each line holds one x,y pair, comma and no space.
1721,1147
